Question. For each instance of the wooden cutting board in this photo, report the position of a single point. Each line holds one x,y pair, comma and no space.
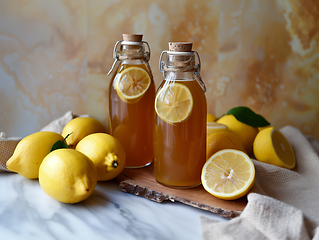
141,182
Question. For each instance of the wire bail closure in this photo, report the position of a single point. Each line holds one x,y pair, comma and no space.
163,68
117,57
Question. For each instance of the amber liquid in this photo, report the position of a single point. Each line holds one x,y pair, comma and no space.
132,123
180,148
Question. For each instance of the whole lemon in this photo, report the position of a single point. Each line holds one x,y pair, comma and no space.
211,117
30,152
245,132
67,175
106,152
80,127
222,140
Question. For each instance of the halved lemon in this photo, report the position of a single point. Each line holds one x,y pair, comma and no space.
271,146
213,127
228,174
174,103
132,83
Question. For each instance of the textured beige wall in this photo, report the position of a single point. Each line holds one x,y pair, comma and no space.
54,55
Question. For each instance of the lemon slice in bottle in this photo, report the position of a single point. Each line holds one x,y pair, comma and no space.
228,174
174,103
132,83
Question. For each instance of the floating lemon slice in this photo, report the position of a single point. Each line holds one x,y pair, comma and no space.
271,146
132,83
174,103
228,174
213,127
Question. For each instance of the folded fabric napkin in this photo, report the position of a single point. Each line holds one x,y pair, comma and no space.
283,204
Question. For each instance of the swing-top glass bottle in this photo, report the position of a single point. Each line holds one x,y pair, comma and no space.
131,100
180,122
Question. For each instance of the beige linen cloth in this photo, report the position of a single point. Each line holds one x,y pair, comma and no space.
284,204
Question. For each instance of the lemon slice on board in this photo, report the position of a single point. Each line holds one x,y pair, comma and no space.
271,146
228,174
174,103
132,83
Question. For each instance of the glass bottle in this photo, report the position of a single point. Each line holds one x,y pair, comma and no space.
131,100
180,122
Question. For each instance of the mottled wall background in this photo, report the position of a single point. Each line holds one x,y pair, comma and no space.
54,55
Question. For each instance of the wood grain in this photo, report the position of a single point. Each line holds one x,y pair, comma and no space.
141,182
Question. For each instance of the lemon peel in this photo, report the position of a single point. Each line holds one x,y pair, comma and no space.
30,152
106,152
67,175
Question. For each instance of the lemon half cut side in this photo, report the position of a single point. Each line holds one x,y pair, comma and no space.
228,174
174,103
271,146
132,84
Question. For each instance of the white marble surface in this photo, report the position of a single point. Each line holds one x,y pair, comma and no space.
26,212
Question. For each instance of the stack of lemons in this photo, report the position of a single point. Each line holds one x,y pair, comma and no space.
68,166
232,139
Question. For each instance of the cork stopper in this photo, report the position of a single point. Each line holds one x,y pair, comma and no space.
132,37
180,46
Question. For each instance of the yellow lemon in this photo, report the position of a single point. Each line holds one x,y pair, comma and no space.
213,127
228,174
271,146
106,152
211,117
67,175
132,83
261,128
222,140
30,152
174,103
245,132
79,128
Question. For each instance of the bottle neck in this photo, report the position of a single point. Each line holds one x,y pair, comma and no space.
181,66
130,53
133,52
180,62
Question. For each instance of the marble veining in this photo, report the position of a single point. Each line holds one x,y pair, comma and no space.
26,212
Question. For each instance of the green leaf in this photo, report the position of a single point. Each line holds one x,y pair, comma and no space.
249,117
60,144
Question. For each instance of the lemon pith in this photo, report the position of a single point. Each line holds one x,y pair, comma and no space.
174,103
132,83
228,174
